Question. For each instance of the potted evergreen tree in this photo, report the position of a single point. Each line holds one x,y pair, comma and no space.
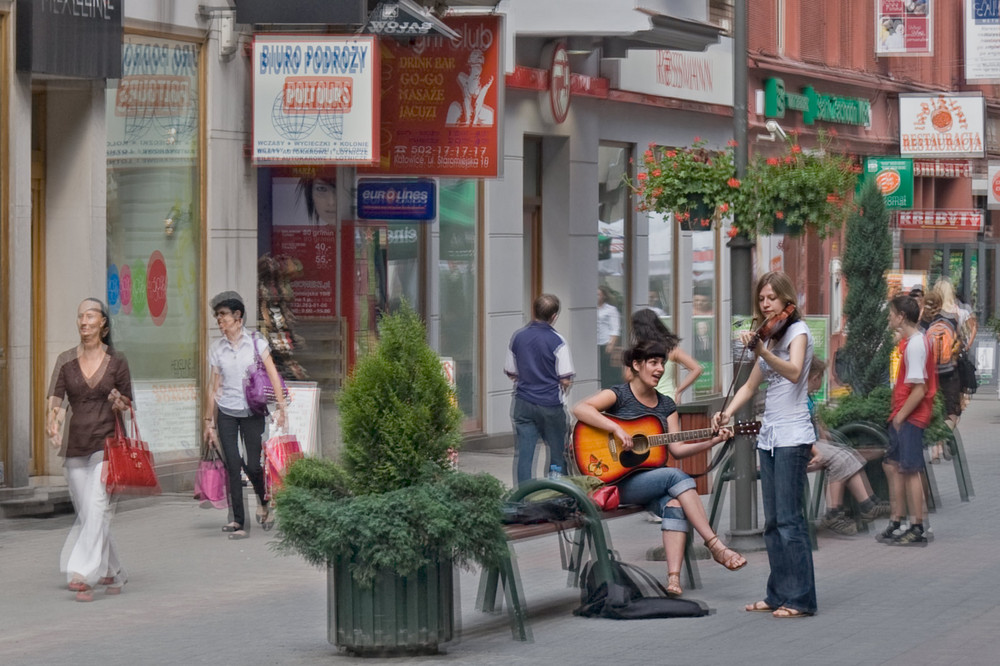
393,517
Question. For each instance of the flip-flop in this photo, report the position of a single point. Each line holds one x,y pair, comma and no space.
231,527
783,613
758,607
238,534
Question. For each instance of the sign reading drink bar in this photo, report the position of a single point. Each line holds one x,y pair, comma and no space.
815,106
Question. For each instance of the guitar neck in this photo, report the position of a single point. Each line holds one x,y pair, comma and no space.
668,437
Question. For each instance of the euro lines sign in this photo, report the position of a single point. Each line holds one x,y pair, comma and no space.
699,77
315,100
982,41
942,125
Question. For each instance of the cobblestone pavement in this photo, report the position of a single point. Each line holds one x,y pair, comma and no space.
195,597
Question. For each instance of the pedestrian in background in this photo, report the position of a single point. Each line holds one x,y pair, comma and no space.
228,416
609,330
95,382
912,405
944,344
647,325
539,363
785,444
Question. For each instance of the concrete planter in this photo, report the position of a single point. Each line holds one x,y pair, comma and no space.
396,615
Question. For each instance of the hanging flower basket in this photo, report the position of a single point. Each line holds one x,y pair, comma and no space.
695,184
796,191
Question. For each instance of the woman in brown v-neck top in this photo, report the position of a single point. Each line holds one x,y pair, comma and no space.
96,383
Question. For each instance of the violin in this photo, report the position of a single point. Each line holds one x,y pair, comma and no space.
773,327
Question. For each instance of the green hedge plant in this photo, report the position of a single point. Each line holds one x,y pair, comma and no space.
393,501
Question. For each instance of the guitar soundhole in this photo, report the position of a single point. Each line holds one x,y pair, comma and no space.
638,454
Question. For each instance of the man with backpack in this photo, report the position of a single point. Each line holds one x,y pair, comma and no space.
945,344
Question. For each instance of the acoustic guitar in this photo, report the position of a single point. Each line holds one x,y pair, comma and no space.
599,454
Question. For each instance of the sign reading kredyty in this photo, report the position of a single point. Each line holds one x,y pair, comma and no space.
411,199
315,99
78,38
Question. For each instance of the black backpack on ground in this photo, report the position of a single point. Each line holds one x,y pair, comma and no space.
634,595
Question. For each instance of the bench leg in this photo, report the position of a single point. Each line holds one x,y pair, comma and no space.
931,490
690,565
961,464
519,627
486,597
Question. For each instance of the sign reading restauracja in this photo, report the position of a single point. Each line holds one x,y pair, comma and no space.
315,99
937,125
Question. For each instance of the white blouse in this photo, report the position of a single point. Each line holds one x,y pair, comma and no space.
786,419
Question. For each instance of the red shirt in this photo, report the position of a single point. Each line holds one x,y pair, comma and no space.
921,416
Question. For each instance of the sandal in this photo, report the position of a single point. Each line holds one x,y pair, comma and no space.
724,555
674,584
784,612
77,585
232,527
86,594
266,519
758,607
262,513
238,534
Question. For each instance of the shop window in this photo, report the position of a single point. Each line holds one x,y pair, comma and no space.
458,284
613,265
704,311
154,234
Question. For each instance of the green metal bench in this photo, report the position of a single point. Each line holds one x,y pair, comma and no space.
590,537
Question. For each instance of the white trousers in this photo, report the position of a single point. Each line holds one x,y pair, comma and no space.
89,552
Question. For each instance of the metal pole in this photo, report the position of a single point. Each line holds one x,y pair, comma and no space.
744,533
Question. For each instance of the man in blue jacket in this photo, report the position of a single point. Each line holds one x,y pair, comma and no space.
538,360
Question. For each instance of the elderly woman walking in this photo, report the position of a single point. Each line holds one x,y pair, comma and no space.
228,415
95,382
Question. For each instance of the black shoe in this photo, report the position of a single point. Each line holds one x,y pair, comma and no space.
839,524
887,535
911,537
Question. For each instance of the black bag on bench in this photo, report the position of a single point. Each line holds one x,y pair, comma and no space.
528,513
634,595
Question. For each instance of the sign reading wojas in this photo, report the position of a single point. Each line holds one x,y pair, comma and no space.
942,125
315,99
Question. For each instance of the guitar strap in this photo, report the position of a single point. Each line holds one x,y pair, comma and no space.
719,456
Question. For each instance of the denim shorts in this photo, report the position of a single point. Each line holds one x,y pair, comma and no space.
906,447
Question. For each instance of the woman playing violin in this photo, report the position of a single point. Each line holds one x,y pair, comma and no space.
666,491
783,349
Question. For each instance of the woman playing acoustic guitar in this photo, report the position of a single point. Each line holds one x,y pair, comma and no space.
783,357
666,491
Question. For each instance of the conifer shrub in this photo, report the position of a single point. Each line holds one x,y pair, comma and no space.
393,502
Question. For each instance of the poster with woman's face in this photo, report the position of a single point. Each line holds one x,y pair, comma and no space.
304,218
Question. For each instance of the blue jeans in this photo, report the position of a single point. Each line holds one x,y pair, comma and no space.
786,535
653,488
534,422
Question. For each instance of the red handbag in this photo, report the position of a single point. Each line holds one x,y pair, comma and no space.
280,452
128,463
606,498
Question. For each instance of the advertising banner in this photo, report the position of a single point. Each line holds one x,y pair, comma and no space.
315,99
942,125
982,41
894,177
152,117
442,101
410,200
993,186
944,220
904,27
78,38
700,77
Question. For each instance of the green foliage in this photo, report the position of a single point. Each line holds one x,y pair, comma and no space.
453,515
867,256
397,410
394,502
875,408
800,189
693,183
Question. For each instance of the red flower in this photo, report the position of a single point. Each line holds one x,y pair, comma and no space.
671,153
789,159
733,182
772,161
656,172
780,215
642,176
658,191
648,153
697,139
796,148
732,143
733,232
833,198
724,208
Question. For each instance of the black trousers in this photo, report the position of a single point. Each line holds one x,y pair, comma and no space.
252,429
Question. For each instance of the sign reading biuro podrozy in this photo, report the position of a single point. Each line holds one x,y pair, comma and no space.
315,100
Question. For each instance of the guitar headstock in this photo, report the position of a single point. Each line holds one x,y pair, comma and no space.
747,428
